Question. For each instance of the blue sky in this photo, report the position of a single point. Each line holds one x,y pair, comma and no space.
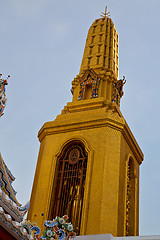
42,43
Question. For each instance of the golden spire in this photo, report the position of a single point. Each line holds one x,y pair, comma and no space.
105,14
101,49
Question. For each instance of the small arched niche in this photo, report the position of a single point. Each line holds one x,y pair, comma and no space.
89,85
131,198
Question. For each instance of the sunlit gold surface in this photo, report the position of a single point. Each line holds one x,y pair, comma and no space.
97,122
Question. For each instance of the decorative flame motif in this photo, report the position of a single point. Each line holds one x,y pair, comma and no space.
3,99
57,229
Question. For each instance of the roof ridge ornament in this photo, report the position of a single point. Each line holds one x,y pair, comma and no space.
3,99
105,14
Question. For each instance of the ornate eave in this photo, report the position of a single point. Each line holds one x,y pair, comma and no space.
11,217
6,179
11,207
11,227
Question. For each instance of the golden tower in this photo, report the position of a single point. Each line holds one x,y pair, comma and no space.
88,164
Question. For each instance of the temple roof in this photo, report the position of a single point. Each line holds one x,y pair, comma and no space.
6,179
11,214
11,217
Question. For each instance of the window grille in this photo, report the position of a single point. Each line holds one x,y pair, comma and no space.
70,183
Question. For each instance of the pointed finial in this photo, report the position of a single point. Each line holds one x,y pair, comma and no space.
105,14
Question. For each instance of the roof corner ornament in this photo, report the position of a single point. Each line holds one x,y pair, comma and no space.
119,85
118,90
105,14
3,99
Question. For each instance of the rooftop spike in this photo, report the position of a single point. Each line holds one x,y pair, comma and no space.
105,14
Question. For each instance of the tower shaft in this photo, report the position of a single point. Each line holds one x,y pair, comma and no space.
88,164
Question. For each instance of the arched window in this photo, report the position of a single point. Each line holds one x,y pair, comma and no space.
130,199
69,183
89,85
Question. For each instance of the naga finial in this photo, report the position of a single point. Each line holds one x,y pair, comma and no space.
3,99
105,14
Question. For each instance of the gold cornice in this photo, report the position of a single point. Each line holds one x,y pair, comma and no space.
112,118
60,126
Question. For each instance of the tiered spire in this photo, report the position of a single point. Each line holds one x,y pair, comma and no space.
101,49
99,71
